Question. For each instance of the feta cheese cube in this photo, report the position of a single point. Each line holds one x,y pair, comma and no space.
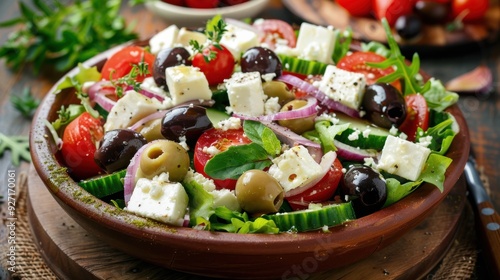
403,158
316,42
237,40
225,197
343,86
159,199
294,168
129,109
185,36
187,83
166,38
245,93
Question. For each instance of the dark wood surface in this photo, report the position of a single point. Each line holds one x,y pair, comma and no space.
482,113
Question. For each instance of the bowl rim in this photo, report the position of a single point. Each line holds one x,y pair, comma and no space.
196,12
406,213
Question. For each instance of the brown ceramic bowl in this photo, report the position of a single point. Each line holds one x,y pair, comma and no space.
231,255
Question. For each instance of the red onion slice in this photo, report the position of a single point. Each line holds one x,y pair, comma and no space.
326,163
318,94
351,153
304,112
98,93
479,80
148,118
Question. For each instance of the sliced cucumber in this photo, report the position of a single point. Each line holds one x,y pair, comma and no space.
361,134
312,219
215,116
105,185
302,66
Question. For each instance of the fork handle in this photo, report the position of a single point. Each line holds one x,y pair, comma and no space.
489,225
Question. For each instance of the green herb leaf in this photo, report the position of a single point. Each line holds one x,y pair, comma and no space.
18,146
343,44
262,135
437,97
60,36
25,103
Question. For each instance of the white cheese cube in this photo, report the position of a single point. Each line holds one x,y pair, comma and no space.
187,83
225,197
237,40
245,93
294,168
185,36
166,38
403,158
316,42
343,86
160,200
129,109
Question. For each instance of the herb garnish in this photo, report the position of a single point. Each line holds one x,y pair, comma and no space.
63,35
25,103
18,145
215,28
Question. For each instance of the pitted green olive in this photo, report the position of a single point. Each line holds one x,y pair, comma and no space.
164,156
278,89
258,192
152,130
298,126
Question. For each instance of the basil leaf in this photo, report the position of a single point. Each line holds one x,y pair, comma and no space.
263,136
234,161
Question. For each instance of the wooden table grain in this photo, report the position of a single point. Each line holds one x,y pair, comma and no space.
482,113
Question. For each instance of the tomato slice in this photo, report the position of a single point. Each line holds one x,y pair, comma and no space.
356,62
221,140
322,191
79,145
273,30
121,63
392,9
417,115
217,69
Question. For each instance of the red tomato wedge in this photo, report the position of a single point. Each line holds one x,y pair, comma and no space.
121,63
79,145
357,8
417,115
274,30
221,140
322,191
356,62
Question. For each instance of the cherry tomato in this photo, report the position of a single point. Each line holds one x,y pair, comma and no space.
320,192
120,63
274,30
202,4
356,62
222,140
233,2
174,2
79,145
471,10
217,69
357,8
392,9
417,115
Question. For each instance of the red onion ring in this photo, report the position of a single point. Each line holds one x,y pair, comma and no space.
148,93
351,153
318,94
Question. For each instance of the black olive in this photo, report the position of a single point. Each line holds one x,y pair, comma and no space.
432,12
408,26
384,105
188,121
262,60
168,57
117,148
365,187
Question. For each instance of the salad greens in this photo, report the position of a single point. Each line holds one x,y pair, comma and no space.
18,146
25,103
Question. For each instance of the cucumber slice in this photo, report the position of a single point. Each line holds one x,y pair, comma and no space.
105,185
368,136
302,66
215,116
312,219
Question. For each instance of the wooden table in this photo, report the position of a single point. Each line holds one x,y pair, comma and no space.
482,113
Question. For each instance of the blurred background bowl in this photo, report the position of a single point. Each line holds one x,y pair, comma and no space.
197,17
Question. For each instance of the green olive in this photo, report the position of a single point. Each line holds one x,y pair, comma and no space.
152,130
298,126
278,89
258,192
164,156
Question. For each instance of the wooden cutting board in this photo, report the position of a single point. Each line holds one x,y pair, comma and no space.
72,253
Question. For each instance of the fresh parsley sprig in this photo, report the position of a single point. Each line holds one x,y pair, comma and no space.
214,30
25,102
63,35
19,147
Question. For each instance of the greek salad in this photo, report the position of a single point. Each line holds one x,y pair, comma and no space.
255,127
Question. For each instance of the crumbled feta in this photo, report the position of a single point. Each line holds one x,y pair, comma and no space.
230,123
272,106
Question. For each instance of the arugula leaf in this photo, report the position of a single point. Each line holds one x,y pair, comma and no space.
262,135
343,44
19,147
62,35
26,104
67,114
